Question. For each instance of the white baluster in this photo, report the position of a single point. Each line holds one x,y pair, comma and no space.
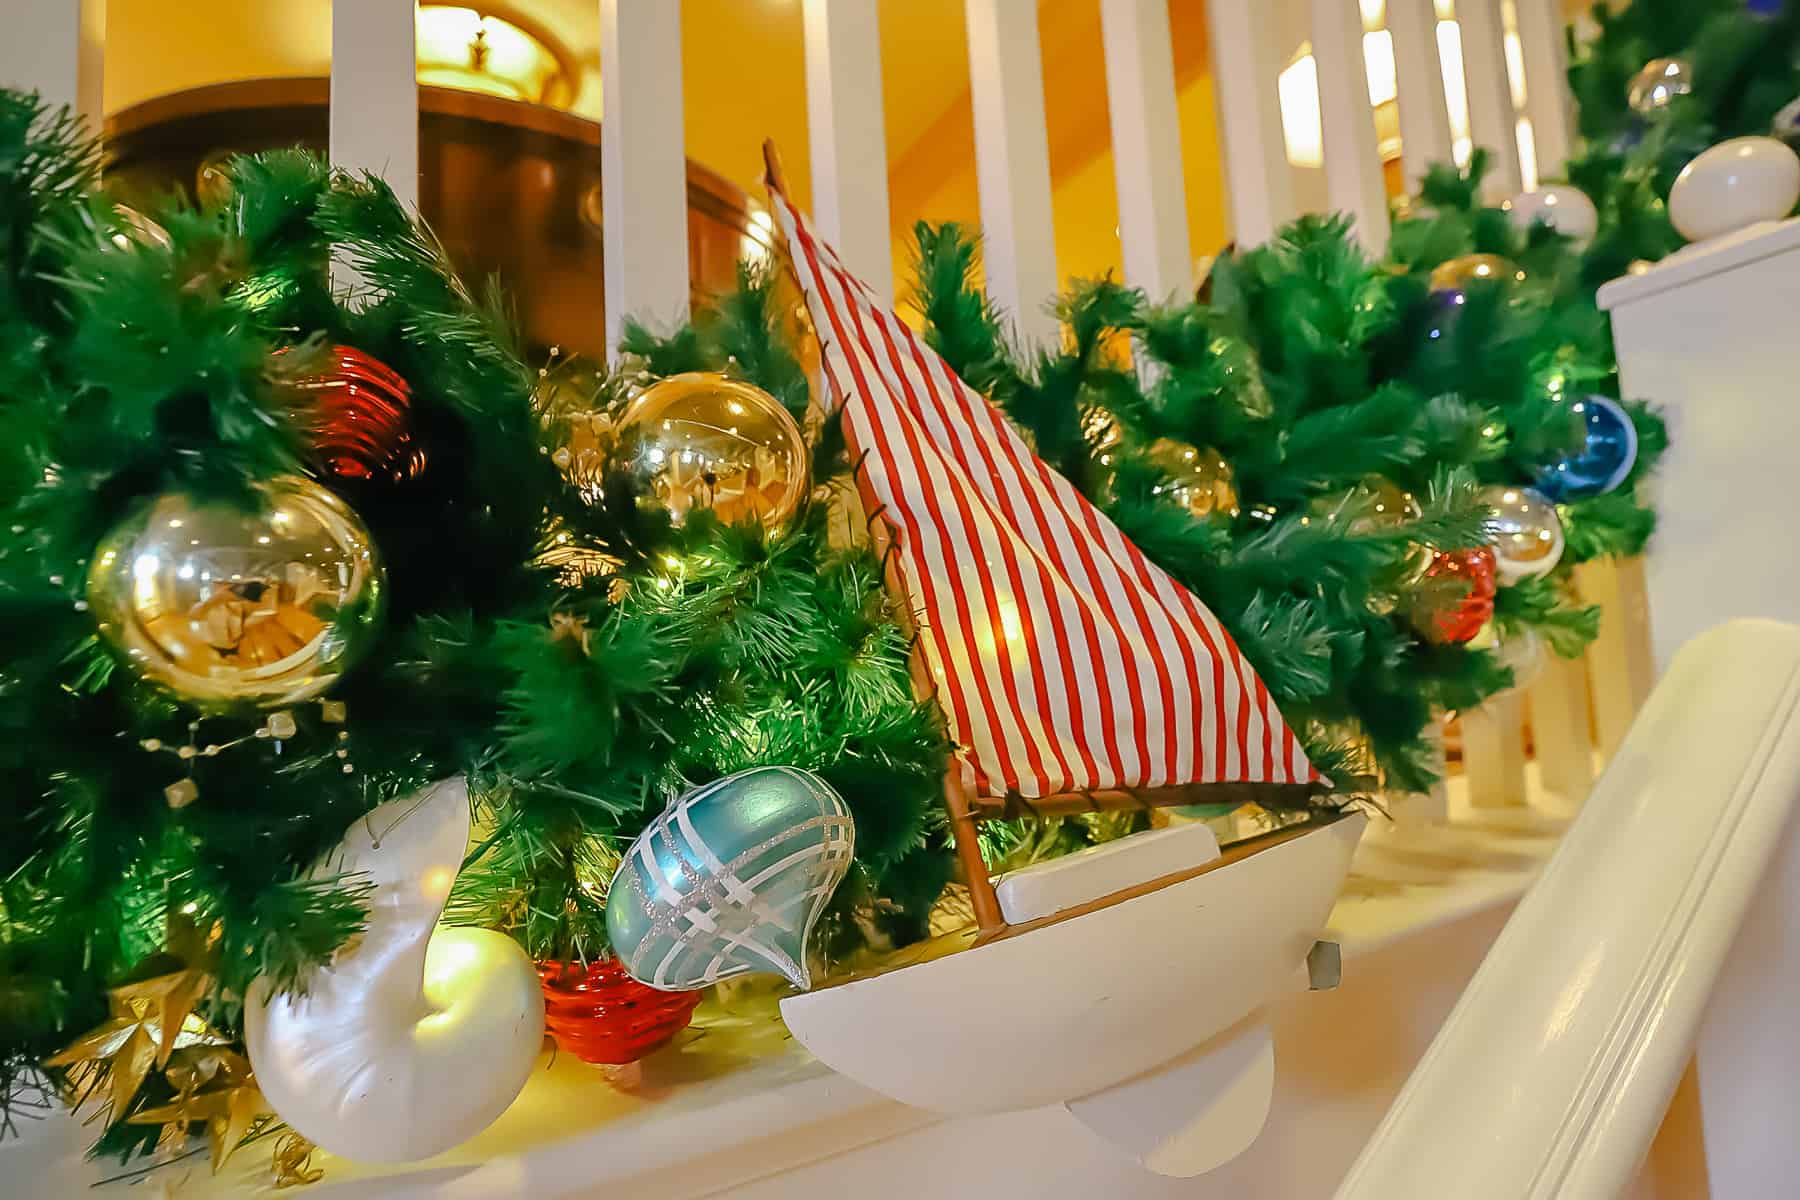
849,142
375,92
1547,100
1425,136
1146,136
643,164
1494,752
1620,660
1012,162
1492,122
1563,746
1246,62
56,49
1353,179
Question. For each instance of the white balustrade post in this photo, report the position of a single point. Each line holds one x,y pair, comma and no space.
1425,136
1492,122
1559,727
375,92
1012,162
643,164
1494,752
1353,181
1620,660
1246,62
56,48
1146,136
1547,100
849,140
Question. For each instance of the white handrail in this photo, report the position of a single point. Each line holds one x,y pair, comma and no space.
1552,1074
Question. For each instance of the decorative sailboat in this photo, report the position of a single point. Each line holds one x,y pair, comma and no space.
1073,675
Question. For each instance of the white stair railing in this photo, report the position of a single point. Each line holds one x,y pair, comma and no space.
1554,1070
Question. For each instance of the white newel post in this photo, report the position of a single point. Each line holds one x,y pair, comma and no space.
1246,61
848,137
1012,163
1425,136
1491,118
643,164
1353,181
1146,136
1547,100
1707,336
56,49
375,92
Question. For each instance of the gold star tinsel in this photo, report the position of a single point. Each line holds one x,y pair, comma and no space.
213,1085
151,1019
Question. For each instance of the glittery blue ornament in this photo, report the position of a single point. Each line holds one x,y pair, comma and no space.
1608,452
730,880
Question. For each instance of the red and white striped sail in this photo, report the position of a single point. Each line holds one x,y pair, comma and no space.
1064,660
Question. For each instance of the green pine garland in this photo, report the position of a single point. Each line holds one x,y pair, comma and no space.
577,709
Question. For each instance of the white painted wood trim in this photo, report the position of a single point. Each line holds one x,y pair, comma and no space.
1246,62
1566,1047
1494,752
1425,136
1491,118
375,92
1547,99
1353,182
1012,163
848,137
643,164
56,48
1146,138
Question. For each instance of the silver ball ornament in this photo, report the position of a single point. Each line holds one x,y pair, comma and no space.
228,606
1526,533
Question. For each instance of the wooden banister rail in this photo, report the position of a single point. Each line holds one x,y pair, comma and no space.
1554,1070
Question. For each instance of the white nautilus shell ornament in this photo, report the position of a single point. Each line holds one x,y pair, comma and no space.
414,1038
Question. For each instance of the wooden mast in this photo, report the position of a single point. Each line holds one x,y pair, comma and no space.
957,801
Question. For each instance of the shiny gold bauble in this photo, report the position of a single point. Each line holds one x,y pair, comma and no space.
1458,273
1375,505
704,443
225,605
1200,481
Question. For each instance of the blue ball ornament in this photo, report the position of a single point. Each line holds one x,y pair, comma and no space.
1608,452
730,880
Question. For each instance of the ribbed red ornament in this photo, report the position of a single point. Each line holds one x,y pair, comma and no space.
1463,622
362,419
600,1014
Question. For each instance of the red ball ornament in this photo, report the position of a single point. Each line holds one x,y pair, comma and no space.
600,1014
362,419
1464,620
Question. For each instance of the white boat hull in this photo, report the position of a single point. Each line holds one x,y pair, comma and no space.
1085,1004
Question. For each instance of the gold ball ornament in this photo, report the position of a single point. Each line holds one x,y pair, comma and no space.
1200,481
703,443
1375,505
1457,273
228,606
